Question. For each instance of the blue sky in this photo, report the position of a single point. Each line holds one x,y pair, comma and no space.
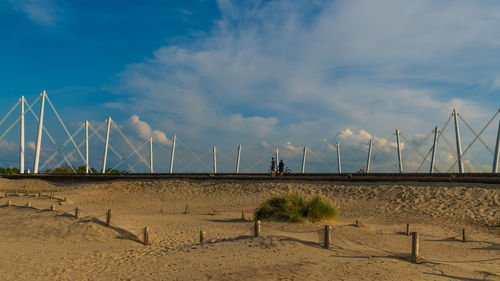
260,73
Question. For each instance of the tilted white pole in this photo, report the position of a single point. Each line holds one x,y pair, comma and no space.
21,141
277,161
399,152
238,160
459,146
215,160
39,135
497,151
338,158
172,155
151,155
369,156
106,144
86,147
304,160
434,147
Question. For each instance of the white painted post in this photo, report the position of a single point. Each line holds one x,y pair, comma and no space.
497,151
39,135
21,141
151,155
172,155
399,152
369,156
238,160
106,144
87,147
434,147
459,146
215,160
338,158
304,160
277,159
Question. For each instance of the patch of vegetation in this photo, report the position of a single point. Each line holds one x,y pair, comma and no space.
295,208
80,170
9,171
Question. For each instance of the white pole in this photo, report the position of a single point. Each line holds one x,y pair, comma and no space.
238,160
151,155
497,151
459,146
172,155
21,141
304,160
215,160
106,144
434,147
338,158
39,135
277,159
86,147
369,156
399,152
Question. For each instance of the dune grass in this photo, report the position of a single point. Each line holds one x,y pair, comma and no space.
293,207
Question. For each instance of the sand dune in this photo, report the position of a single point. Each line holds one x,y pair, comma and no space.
39,244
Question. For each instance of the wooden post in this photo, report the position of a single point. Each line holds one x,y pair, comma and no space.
464,237
108,218
328,236
39,194
186,210
147,241
53,207
202,236
242,215
414,246
28,205
257,228
357,223
77,213
52,195
9,203
407,229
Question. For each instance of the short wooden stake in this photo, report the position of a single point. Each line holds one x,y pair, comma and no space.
9,203
65,199
108,217
202,236
213,212
414,246
242,215
357,223
147,241
53,207
464,237
77,213
39,194
328,236
407,229
6,194
186,210
28,205
52,195
257,228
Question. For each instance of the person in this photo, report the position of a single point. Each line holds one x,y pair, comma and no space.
273,167
281,167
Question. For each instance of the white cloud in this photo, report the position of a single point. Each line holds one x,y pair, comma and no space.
42,12
143,130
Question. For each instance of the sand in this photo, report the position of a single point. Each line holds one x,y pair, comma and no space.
39,244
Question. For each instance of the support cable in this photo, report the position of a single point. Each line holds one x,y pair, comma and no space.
186,147
60,148
259,162
321,160
478,135
130,155
129,143
383,156
7,115
255,158
18,118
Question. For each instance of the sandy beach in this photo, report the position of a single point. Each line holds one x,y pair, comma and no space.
40,244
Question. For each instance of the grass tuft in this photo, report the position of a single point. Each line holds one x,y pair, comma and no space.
294,208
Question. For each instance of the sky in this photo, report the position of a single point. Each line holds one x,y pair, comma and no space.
263,74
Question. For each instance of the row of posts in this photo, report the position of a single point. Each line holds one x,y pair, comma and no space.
370,144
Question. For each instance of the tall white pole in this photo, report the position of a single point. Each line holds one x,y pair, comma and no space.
151,155
106,144
399,152
215,160
87,147
459,146
304,160
238,160
497,151
338,158
39,135
21,140
434,147
277,159
369,156
172,155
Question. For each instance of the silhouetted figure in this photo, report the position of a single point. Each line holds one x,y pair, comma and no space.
273,166
281,167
